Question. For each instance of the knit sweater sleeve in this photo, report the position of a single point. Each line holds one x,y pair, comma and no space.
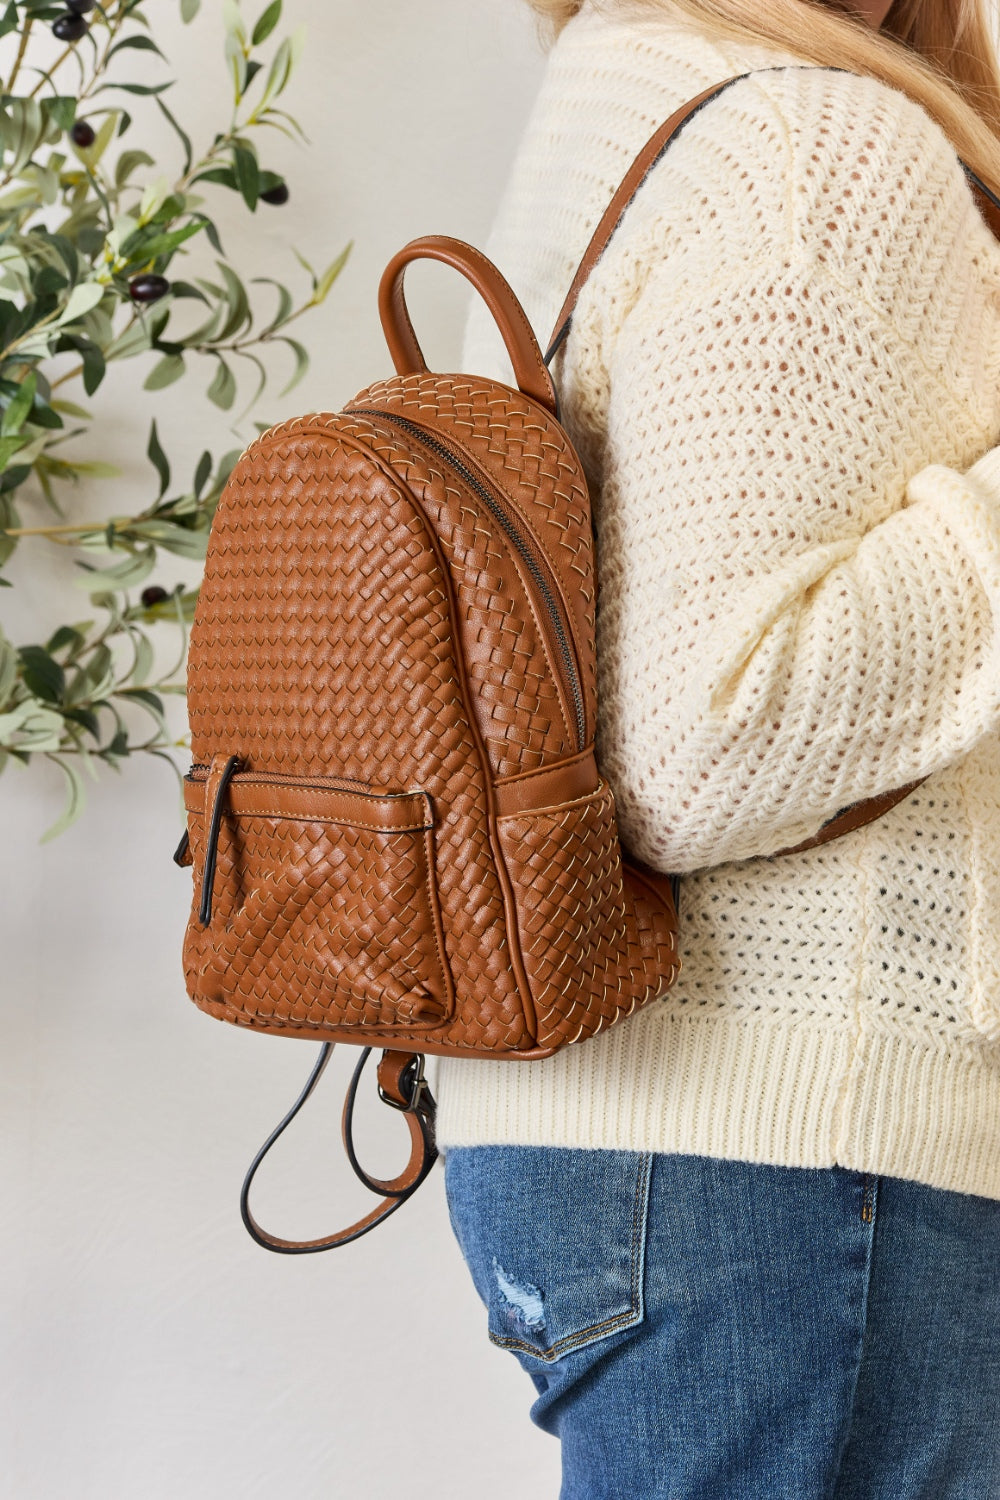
800,560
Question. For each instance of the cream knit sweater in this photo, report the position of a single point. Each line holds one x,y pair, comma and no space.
784,379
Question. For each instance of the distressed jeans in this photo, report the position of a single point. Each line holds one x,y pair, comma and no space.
702,1329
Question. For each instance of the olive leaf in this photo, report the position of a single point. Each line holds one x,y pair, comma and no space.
94,228
267,22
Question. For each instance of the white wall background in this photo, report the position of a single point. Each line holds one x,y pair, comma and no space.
150,1350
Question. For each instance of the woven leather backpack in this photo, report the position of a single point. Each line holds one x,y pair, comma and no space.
398,832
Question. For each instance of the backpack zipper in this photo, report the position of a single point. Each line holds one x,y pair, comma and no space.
525,545
279,778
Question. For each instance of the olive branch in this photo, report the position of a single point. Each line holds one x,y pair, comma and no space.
90,229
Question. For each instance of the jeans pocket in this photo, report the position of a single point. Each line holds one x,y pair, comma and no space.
555,1241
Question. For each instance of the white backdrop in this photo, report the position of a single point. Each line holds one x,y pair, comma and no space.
151,1351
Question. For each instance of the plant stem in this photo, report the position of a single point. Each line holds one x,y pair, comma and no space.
114,26
69,375
29,333
20,56
66,52
55,530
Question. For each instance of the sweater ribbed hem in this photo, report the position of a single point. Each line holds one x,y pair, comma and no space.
804,1096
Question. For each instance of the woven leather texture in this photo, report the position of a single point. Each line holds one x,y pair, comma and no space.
531,458
321,645
406,610
345,916
516,701
590,943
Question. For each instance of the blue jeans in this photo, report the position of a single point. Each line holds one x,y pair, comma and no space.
701,1329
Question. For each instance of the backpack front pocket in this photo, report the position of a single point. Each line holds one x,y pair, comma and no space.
315,903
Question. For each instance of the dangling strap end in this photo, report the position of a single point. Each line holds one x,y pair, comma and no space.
402,1084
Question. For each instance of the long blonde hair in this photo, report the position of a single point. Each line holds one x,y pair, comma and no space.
941,53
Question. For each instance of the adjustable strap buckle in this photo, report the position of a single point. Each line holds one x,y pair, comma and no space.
404,1087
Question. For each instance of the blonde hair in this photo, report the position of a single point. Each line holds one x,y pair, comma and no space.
941,53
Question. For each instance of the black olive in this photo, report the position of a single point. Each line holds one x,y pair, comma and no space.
153,595
148,287
82,134
79,6
276,194
70,27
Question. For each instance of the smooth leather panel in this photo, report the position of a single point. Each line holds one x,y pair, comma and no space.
310,801
547,786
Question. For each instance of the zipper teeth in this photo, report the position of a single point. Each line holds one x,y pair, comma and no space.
339,783
524,551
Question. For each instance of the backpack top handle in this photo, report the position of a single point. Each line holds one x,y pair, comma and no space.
530,370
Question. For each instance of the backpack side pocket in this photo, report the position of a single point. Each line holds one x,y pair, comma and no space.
593,942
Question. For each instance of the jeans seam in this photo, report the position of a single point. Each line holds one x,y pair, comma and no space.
869,1201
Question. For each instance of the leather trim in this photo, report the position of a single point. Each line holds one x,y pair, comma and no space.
988,204
548,786
431,1045
613,214
599,791
852,817
530,370
395,812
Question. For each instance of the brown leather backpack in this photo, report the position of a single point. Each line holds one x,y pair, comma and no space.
398,832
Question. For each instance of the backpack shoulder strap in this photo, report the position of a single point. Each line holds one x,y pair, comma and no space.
648,158
615,211
859,813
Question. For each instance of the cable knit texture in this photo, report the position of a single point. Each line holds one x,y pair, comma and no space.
784,380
